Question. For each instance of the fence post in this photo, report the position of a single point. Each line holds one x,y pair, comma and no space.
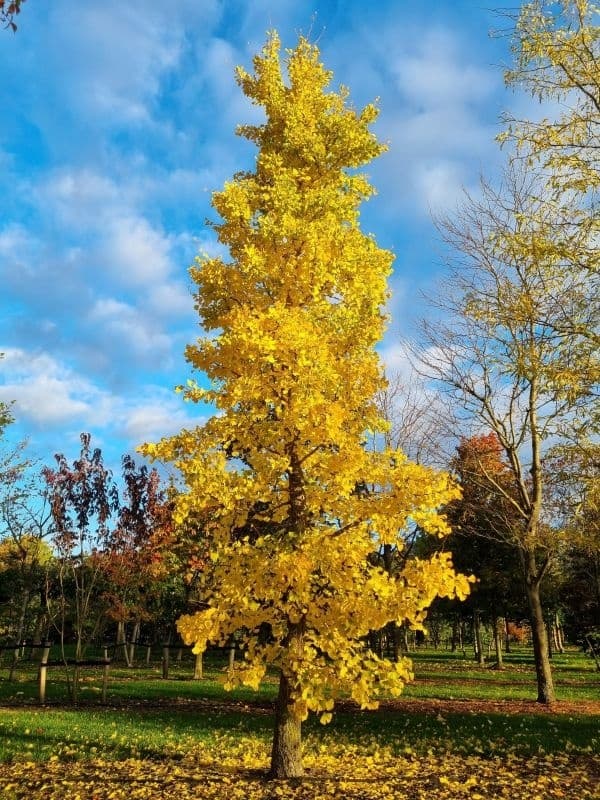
105,681
43,672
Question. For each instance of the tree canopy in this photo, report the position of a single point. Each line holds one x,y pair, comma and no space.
292,321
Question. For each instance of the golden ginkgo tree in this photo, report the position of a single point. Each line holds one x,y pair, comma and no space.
292,502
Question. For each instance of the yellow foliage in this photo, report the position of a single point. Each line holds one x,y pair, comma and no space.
292,321
557,47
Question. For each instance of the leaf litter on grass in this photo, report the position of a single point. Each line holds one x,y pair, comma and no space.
235,767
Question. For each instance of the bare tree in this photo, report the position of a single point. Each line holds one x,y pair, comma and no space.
25,524
420,422
499,351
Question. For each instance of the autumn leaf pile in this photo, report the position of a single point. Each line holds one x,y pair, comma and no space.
231,767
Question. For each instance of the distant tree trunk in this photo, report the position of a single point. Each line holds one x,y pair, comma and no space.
455,634
121,642
134,638
549,638
198,671
498,625
543,670
477,643
405,642
20,632
286,755
557,633
506,635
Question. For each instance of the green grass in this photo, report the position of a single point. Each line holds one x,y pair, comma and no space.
149,717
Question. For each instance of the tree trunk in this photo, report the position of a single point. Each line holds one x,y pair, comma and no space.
558,637
506,635
122,642
545,684
19,633
286,755
395,642
198,672
477,643
405,642
498,625
455,634
134,638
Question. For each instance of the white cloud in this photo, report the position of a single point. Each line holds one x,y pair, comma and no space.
396,360
435,110
47,392
81,198
171,299
440,184
136,253
128,329
432,70
14,242
162,415
113,56
49,395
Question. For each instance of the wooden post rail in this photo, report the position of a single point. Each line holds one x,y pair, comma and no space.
72,662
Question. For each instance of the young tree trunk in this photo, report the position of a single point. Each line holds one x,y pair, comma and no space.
19,633
405,642
455,634
477,643
498,625
545,684
286,755
134,637
395,642
122,642
561,639
198,672
558,637
506,635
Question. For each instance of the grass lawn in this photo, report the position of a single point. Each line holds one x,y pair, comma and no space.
461,731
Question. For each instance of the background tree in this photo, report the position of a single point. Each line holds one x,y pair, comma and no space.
414,425
497,351
576,492
556,46
292,321
25,526
483,520
82,498
5,416
131,558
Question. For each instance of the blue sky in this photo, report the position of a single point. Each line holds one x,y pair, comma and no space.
117,121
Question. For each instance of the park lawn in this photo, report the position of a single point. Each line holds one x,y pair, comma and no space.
183,739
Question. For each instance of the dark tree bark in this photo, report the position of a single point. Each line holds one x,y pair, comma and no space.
286,755
478,644
498,625
543,670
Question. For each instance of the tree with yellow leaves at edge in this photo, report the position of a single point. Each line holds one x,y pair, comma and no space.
291,324
556,48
